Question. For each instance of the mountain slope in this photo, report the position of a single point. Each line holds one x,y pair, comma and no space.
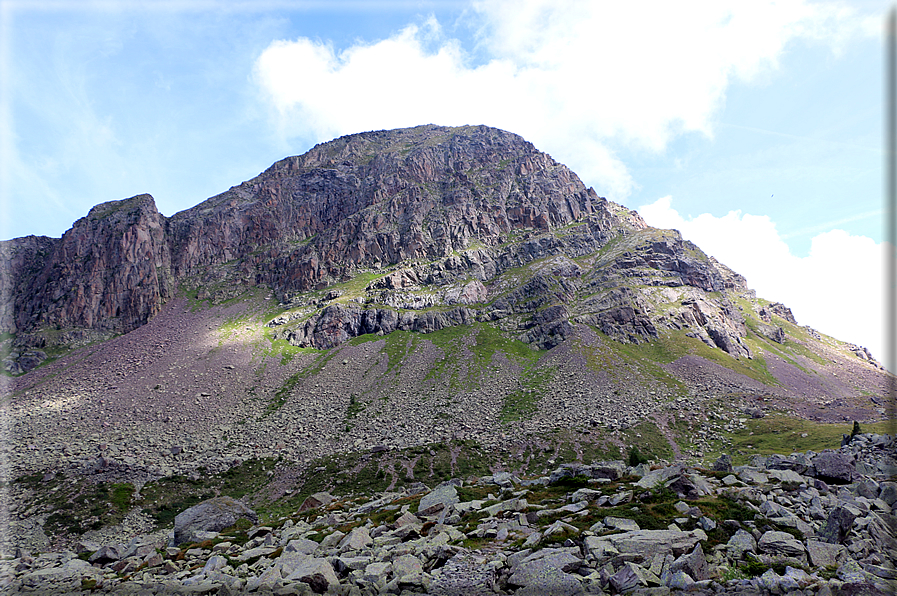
390,290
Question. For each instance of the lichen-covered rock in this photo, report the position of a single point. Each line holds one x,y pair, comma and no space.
357,539
740,543
317,573
440,498
212,515
693,563
318,499
781,543
838,524
649,543
823,554
722,464
549,571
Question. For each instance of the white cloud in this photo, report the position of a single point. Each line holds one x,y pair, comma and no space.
575,78
837,288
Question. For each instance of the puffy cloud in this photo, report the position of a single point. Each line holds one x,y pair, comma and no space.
838,288
576,78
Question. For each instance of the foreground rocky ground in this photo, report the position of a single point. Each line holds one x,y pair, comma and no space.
808,523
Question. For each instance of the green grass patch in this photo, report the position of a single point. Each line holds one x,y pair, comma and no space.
471,459
121,495
163,499
487,342
674,344
778,433
398,345
523,403
355,286
283,394
355,408
490,341
75,506
649,441
282,348
643,359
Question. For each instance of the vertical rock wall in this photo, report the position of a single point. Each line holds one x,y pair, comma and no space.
111,271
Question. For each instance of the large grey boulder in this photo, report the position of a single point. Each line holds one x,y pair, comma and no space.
621,523
600,548
568,471
888,492
678,580
781,543
823,554
693,563
547,572
317,573
377,572
773,583
406,565
585,494
71,571
795,462
649,543
213,515
301,545
357,539
741,542
752,475
834,467
785,476
631,577
107,554
610,470
655,477
838,525
441,497
722,464
319,499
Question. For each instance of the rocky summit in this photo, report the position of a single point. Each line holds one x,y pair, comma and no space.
426,360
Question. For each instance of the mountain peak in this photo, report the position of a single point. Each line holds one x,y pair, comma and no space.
448,224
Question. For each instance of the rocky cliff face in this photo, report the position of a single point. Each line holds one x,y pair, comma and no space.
376,199
367,200
110,271
450,225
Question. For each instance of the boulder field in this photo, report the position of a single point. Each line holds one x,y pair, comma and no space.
806,523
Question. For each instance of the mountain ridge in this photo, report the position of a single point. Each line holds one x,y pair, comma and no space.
357,204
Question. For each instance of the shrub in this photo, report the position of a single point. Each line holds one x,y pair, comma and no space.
636,458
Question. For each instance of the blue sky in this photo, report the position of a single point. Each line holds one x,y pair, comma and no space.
760,120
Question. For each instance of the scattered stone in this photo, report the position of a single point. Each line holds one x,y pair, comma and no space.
722,464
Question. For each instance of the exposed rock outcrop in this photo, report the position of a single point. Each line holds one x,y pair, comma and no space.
457,207
109,273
